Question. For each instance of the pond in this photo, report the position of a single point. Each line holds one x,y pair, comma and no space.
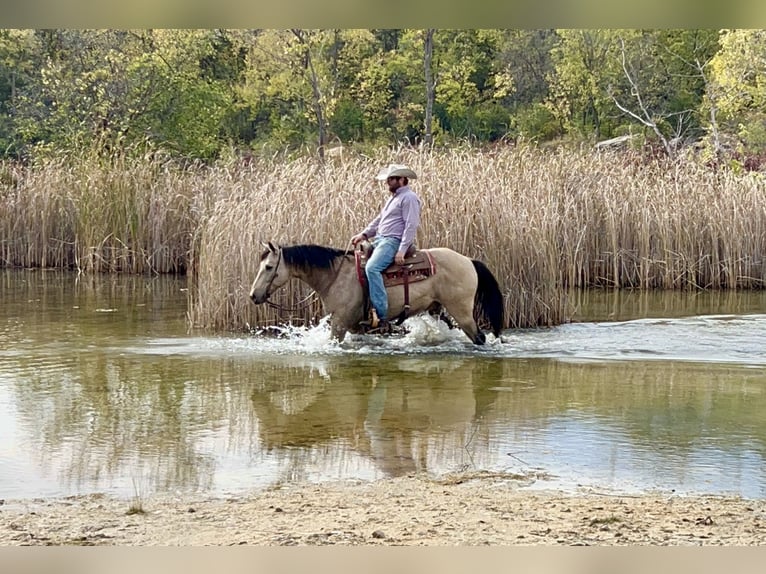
104,389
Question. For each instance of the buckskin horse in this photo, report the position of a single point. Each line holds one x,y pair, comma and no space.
464,287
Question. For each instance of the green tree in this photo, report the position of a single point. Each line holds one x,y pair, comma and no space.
586,63
193,92
525,62
473,83
738,76
115,88
606,82
184,80
18,50
391,88
295,79
665,85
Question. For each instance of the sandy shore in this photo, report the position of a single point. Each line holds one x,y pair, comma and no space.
483,509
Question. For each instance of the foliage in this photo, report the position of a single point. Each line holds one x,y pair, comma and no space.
200,93
739,77
607,79
119,88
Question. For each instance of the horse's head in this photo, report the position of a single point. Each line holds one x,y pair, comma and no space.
272,274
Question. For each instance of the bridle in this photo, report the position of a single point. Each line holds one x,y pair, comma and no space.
301,304
273,276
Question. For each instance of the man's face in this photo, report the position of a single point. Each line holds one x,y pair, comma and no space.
393,183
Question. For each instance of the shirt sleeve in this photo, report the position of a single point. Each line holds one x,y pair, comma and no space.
411,216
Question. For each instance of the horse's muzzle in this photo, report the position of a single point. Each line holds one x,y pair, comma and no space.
258,299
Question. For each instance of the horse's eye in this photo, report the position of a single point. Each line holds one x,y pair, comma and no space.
269,267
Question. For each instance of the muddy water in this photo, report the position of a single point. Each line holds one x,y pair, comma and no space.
102,389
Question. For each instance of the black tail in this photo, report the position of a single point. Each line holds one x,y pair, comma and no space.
489,298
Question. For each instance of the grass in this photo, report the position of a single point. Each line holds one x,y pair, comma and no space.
604,521
136,503
543,220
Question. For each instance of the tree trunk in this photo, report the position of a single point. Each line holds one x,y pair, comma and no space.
317,95
430,84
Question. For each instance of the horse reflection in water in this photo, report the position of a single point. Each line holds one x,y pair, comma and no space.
400,417
464,287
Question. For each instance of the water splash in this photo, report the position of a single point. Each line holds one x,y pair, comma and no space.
739,339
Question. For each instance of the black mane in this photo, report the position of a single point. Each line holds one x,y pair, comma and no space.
311,256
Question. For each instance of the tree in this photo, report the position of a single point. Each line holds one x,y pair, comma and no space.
586,63
665,70
606,81
525,55
295,79
114,89
738,86
18,59
523,67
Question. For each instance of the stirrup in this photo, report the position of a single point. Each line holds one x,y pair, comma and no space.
383,328
373,321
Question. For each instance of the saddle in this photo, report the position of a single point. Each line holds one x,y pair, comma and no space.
418,265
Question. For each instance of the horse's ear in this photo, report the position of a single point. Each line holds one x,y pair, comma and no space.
272,248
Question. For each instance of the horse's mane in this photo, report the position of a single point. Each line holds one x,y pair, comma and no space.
311,256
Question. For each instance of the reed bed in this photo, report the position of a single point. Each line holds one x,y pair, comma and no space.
120,215
544,220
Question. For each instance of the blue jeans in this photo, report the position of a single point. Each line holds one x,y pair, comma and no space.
382,256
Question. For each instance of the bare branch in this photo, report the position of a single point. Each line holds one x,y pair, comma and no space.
646,117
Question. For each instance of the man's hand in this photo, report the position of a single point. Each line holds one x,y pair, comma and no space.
358,238
399,258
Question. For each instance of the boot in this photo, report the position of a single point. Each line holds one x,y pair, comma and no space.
372,321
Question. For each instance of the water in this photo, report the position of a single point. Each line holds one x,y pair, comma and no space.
103,389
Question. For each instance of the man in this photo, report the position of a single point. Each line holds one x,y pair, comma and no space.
392,233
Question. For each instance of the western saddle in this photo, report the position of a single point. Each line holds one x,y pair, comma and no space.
418,265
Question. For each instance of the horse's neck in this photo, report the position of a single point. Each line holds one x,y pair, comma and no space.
320,280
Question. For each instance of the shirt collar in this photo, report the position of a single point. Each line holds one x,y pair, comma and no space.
401,190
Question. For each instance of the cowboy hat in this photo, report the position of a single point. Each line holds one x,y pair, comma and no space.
395,170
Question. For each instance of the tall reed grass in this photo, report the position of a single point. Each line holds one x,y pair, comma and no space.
544,221
115,215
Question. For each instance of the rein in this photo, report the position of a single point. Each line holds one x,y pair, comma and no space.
301,306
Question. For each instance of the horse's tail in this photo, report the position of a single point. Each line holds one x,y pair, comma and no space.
489,298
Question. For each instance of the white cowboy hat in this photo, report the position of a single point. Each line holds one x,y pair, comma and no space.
395,170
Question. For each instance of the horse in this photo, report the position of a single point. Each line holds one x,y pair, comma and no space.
464,287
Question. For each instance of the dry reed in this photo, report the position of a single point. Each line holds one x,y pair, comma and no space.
121,215
543,220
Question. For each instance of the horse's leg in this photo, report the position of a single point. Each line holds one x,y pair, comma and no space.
436,309
463,315
344,319
338,332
